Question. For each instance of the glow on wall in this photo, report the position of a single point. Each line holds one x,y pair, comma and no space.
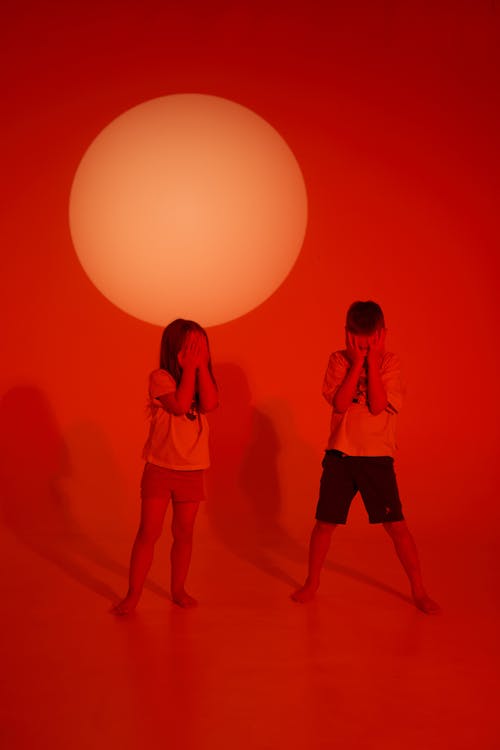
188,206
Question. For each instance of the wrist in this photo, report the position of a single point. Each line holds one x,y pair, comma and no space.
357,364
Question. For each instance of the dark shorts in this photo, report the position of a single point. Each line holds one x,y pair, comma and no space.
181,486
372,476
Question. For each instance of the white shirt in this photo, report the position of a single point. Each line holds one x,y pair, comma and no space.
358,432
174,442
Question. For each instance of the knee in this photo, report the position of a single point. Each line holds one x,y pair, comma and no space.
182,532
396,529
148,534
324,528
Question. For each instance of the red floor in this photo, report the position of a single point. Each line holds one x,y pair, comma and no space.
357,668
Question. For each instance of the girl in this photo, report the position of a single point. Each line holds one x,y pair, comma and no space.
176,455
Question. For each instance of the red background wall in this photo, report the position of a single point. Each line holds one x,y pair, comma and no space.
392,111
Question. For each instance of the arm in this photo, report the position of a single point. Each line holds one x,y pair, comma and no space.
377,394
207,390
193,359
179,401
209,395
347,389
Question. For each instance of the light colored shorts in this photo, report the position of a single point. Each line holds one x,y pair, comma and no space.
181,486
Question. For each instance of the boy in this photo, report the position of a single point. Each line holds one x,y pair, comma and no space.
362,384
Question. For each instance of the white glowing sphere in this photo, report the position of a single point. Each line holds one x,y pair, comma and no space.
188,206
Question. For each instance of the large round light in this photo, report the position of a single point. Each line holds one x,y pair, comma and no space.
188,206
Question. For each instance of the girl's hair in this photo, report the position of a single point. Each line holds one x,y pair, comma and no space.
364,318
172,341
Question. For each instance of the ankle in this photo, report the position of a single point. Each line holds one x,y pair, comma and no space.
176,589
418,590
312,582
133,593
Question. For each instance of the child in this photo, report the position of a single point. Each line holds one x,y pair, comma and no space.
362,384
176,454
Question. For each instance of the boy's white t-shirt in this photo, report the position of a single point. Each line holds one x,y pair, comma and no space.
174,442
358,432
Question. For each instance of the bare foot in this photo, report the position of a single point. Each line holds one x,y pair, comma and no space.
425,604
126,606
182,599
304,594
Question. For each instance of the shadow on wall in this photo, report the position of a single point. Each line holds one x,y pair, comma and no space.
45,478
248,486
51,486
246,500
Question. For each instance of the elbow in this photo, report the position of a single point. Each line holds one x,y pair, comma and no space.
338,407
180,408
176,409
377,409
178,412
205,408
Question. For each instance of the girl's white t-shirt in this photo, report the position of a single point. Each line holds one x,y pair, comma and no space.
174,442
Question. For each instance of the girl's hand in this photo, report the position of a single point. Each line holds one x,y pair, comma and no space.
355,351
189,356
204,352
376,345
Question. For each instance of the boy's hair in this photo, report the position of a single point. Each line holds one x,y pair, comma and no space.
364,318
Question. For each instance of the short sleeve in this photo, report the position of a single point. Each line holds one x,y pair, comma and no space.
334,376
161,383
391,378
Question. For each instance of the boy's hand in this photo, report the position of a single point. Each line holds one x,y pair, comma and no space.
376,346
355,351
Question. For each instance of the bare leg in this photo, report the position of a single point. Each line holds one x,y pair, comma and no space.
408,556
180,555
318,547
152,515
